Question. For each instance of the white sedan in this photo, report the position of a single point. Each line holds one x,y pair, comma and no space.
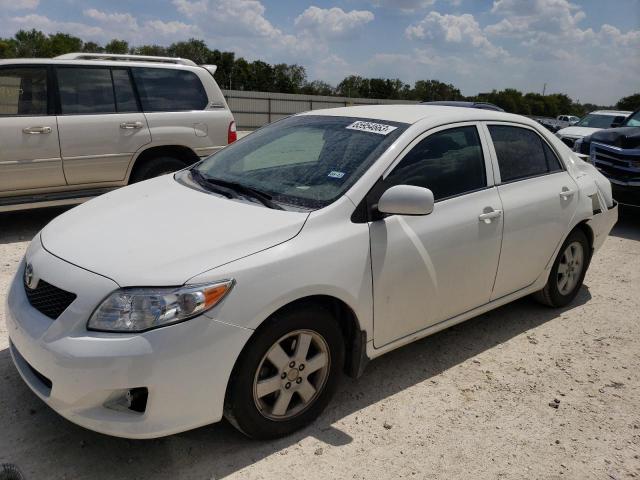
244,286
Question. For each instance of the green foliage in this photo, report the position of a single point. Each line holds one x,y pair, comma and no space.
117,46
632,102
239,74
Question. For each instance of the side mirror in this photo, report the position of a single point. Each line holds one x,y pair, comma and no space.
406,200
616,124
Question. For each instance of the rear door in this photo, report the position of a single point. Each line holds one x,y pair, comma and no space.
179,109
29,149
101,125
539,199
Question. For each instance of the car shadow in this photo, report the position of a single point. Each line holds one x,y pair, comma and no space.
628,225
37,439
21,226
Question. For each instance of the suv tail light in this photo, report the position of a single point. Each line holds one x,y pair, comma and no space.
232,134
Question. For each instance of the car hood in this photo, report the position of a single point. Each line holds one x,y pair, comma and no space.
623,137
161,232
577,131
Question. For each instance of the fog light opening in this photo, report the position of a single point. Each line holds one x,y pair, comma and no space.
137,399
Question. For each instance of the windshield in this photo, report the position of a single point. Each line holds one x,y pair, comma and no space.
599,121
633,120
307,161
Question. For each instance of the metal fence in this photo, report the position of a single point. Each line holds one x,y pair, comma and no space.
255,109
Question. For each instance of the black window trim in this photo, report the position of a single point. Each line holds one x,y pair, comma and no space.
58,101
563,167
50,91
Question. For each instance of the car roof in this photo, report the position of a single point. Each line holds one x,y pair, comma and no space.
417,112
462,103
103,63
613,113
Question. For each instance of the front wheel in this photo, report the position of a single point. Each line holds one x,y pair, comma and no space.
568,271
286,376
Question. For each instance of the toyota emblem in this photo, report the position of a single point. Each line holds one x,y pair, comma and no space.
29,279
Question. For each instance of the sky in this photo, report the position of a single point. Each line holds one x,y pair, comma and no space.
588,49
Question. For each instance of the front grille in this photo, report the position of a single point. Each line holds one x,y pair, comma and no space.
617,163
48,299
569,142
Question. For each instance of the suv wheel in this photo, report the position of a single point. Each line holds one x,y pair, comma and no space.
286,376
568,271
156,166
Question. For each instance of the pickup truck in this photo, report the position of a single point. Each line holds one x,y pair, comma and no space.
555,124
616,153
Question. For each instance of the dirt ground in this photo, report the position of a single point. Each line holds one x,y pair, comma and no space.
469,402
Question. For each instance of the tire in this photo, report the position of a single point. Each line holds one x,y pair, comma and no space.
260,415
562,288
156,166
9,471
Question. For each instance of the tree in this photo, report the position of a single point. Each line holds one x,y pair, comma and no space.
353,86
32,43
61,43
288,78
318,87
92,47
434,91
193,49
8,48
151,50
632,102
117,46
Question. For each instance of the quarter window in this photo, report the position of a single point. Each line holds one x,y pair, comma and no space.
85,90
167,90
23,91
521,153
449,163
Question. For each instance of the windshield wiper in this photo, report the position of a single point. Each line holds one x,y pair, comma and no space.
203,180
262,197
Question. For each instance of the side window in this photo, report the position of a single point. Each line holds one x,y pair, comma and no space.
85,90
23,91
448,163
521,153
169,90
125,96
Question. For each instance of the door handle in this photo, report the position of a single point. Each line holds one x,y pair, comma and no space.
487,217
566,193
36,130
130,125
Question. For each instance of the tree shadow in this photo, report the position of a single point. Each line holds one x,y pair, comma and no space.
21,226
38,440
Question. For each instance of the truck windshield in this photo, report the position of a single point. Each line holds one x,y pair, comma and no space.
598,121
306,161
633,120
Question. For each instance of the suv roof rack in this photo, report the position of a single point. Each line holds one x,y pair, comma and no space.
122,57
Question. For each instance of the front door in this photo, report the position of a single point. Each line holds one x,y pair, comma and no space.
101,125
427,269
29,149
539,199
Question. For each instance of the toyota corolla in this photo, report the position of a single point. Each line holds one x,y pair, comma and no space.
245,285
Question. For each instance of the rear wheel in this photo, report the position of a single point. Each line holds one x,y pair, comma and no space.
568,271
285,378
156,166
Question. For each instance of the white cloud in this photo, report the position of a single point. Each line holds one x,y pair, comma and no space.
406,6
19,4
332,22
454,29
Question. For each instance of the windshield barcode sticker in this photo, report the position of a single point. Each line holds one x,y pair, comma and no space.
379,128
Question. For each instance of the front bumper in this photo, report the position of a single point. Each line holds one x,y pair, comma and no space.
185,367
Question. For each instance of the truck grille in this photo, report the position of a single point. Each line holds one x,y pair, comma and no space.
49,300
616,163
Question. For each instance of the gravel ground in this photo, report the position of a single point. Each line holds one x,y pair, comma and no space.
469,402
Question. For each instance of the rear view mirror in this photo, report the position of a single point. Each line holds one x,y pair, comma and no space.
406,200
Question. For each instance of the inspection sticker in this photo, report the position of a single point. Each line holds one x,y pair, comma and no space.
335,174
379,128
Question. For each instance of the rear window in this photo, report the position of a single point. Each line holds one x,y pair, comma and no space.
85,90
168,90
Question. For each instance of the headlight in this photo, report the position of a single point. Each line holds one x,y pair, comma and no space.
577,145
559,136
140,309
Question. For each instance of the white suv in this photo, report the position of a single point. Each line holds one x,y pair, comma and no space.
78,125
